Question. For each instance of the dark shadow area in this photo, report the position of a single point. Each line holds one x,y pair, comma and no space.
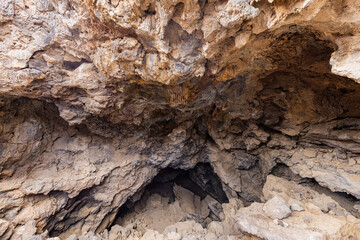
201,181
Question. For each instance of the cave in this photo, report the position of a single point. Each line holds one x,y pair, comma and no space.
198,190
231,119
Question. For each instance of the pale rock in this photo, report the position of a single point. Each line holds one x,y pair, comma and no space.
216,228
173,236
72,237
211,236
277,208
235,12
346,59
6,10
307,224
25,231
4,225
296,207
186,198
242,39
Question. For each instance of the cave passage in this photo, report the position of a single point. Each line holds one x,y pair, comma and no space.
200,181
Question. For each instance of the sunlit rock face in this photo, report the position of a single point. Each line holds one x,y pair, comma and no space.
97,97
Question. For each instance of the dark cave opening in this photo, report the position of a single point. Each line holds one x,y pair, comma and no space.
200,181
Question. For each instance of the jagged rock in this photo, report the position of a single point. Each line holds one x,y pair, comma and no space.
26,231
97,97
307,224
4,225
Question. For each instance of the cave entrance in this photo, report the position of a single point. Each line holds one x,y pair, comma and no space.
174,196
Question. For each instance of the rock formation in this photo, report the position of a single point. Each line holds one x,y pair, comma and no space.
247,112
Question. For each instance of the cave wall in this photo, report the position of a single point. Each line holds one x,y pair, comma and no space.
97,97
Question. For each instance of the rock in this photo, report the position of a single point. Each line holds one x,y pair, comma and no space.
216,228
296,207
301,163
42,236
357,207
312,227
72,237
151,234
6,10
26,231
344,60
280,223
99,97
214,206
186,199
247,221
174,236
242,39
277,208
4,225
204,176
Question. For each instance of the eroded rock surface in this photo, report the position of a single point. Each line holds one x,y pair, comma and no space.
98,97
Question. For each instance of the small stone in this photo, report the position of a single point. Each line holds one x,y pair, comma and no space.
352,162
308,219
357,207
281,223
339,212
277,208
331,206
296,207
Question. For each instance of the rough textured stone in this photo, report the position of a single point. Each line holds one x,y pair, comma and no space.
253,220
97,97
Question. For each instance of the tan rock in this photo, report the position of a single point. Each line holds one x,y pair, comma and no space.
97,97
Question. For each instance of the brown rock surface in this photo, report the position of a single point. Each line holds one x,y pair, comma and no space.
98,97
